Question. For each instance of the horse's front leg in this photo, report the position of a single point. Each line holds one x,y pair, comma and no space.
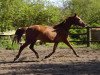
54,48
67,43
20,50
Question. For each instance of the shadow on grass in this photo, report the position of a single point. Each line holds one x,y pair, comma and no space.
79,68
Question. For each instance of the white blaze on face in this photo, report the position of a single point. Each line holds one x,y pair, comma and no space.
81,22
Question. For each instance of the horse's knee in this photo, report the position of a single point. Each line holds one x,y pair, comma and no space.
31,47
17,56
24,45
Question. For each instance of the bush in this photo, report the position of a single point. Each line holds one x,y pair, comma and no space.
7,44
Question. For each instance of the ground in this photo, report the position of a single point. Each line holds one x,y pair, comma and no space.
62,62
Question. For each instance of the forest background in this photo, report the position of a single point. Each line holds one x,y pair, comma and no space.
20,13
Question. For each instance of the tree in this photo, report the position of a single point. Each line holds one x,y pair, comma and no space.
10,10
19,13
87,9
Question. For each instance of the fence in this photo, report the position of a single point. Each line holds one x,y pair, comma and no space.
9,34
88,34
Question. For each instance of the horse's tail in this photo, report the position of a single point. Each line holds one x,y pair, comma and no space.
18,34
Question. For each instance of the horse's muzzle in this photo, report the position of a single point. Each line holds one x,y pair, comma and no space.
86,26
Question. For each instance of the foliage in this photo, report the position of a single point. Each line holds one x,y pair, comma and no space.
87,9
19,13
76,37
7,44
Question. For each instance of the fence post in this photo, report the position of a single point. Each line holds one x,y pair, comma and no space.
88,36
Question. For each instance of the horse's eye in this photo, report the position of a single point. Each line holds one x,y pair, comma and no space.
78,19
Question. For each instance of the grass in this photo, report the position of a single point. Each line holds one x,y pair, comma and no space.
7,44
95,46
60,45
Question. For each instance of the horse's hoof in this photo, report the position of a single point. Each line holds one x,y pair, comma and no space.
14,59
37,57
77,56
41,59
46,57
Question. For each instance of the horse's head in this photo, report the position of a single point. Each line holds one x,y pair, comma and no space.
75,20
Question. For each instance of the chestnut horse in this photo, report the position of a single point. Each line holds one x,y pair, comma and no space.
56,34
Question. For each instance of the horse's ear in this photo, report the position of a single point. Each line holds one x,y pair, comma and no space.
75,14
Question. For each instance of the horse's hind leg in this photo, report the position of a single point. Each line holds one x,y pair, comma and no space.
54,48
32,48
20,50
67,43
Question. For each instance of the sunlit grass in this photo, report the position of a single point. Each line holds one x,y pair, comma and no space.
7,44
95,46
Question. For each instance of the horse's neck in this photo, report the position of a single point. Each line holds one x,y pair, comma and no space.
63,26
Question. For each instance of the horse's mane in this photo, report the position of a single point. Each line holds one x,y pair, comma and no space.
59,25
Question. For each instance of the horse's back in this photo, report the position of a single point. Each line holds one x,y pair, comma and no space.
43,33
48,34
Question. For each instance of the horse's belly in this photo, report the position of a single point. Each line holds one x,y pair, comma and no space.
47,37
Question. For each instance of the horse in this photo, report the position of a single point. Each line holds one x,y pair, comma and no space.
55,34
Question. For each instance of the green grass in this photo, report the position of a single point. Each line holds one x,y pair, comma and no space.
95,46
60,45
6,43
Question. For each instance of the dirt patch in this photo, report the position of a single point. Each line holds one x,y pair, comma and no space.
62,62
